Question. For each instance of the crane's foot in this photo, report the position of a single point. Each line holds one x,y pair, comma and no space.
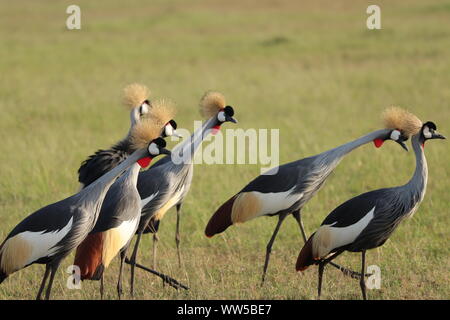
349,272
166,279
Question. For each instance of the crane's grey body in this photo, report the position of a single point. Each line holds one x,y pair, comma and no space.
63,225
166,184
285,191
122,202
304,178
166,179
391,206
368,220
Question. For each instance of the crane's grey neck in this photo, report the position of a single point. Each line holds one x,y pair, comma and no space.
418,182
187,149
96,191
134,118
131,175
339,152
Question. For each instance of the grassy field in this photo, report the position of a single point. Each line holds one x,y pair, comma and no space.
312,70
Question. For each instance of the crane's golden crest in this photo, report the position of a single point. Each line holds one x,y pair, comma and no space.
135,94
162,111
144,132
211,103
401,119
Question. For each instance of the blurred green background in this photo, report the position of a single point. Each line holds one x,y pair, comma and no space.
313,70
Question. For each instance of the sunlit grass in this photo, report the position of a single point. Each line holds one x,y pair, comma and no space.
312,70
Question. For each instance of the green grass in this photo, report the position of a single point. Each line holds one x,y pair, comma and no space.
312,70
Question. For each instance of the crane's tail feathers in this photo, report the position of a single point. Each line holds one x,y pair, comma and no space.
3,276
88,256
221,219
305,258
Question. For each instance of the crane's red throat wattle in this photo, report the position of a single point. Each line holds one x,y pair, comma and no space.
215,130
378,142
144,162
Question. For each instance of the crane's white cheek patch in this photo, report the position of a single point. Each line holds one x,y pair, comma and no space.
426,133
221,116
169,130
153,149
249,205
395,134
328,238
116,238
27,247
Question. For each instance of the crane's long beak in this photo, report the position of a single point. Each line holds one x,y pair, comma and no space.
402,144
437,136
176,134
165,151
230,119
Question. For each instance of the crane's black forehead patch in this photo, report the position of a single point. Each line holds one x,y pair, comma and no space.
430,125
160,142
229,111
173,124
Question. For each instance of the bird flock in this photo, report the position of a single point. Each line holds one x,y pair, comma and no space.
122,195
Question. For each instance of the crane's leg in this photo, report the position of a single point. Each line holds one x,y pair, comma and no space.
322,265
281,218
319,284
348,272
101,287
298,217
44,280
155,243
362,281
119,280
170,281
133,260
177,234
54,267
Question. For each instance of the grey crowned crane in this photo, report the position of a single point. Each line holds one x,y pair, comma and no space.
167,183
119,215
48,235
136,98
368,220
286,189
